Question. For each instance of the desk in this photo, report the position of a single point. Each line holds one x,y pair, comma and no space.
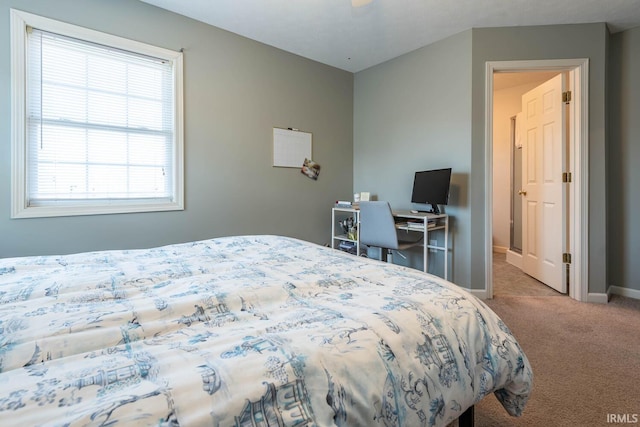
425,223
420,222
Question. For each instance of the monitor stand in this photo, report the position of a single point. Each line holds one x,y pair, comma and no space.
434,210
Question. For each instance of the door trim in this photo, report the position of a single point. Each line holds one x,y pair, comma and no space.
578,163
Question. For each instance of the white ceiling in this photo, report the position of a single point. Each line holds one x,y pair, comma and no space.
353,39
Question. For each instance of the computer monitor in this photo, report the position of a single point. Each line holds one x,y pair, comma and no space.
431,187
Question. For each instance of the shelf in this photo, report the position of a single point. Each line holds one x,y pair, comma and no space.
419,229
344,237
440,221
337,232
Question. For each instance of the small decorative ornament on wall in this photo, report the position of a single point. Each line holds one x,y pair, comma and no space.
310,169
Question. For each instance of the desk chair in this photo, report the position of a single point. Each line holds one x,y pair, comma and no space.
378,229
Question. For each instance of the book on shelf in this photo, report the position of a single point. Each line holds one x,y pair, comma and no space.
348,247
419,224
415,225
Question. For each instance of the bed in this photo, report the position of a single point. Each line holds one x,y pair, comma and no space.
245,331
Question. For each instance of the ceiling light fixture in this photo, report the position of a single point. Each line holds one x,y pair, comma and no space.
359,3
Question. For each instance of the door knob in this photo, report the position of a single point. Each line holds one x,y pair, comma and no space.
522,193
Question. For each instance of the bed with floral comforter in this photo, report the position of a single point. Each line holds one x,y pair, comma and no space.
245,331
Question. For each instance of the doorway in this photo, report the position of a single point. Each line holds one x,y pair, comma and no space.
529,124
578,165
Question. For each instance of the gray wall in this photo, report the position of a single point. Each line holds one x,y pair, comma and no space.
532,43
624,157
412,113
236,91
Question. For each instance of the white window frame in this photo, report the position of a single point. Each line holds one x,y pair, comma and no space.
19,180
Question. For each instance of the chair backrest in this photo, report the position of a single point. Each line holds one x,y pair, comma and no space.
377,226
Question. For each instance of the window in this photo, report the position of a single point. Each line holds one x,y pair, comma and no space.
96,122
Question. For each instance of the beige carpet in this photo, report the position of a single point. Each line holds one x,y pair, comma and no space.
585,359
509,280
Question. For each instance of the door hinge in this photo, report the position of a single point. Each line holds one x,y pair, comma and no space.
566,177
566,97
566,258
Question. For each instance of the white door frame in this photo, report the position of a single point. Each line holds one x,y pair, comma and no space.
578,166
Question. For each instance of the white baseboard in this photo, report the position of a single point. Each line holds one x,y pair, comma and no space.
500,249
592,297
597,298
478,293
624,292
514,259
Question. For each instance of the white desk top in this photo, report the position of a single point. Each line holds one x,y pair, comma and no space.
419,215
403,213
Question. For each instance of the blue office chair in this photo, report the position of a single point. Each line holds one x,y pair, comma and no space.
378,229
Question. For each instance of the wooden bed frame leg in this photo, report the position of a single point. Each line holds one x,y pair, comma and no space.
466,419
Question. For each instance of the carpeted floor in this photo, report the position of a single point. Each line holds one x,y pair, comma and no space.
511,281
585,359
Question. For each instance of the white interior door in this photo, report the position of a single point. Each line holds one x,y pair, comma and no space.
543,219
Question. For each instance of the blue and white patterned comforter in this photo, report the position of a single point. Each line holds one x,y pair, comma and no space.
245,331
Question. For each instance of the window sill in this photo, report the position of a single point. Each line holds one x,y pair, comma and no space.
102,209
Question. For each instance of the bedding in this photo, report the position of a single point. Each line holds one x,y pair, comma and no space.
245,331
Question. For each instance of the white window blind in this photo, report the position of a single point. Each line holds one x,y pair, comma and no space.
99,122
96,122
